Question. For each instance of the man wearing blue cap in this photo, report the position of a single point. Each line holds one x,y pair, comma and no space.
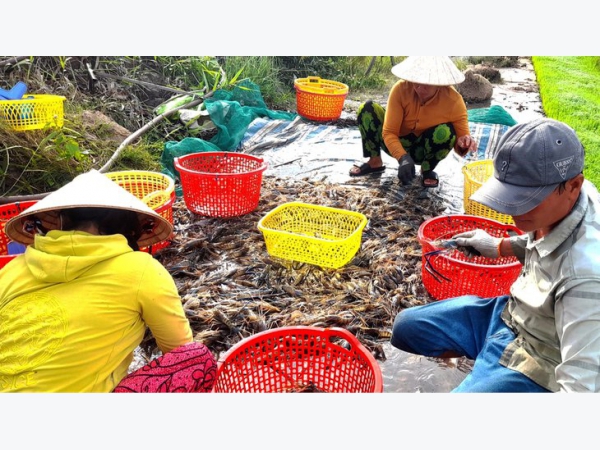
545,335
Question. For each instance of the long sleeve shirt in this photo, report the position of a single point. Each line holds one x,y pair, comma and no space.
406,114
73,308
555,303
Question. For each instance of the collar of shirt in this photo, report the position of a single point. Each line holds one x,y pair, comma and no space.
563,230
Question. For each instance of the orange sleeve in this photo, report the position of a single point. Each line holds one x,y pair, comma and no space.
394,116
404,114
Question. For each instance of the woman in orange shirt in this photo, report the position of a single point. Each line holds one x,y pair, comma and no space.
425,118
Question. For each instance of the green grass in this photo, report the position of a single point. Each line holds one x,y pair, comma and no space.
275,74
569,91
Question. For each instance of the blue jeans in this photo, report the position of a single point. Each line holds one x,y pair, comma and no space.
469,326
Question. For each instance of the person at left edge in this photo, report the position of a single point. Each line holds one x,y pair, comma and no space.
78,302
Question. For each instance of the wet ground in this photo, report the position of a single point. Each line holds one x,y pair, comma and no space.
403,372
518,94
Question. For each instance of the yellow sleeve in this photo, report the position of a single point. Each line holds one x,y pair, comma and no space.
162,310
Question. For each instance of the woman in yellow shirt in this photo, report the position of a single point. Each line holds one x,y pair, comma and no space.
424,120
77,303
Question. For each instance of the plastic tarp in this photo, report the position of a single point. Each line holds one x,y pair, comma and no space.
296,147
301,148
231,112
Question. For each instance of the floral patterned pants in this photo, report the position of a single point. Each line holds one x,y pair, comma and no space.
189,368
427,149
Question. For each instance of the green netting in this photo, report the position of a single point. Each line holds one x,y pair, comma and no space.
173,149
231,112
495,114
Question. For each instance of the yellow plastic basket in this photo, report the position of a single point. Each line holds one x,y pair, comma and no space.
319,235
319,99
33,112
145,185
476,173
155,189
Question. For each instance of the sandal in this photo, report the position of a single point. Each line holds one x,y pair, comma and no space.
430,176
365,169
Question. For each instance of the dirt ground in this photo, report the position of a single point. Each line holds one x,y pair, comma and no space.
517,92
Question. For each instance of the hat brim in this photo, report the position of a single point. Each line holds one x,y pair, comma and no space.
51,221
430,70
91,190
511,199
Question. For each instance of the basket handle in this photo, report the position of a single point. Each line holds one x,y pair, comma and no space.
342,333
314,79
155,198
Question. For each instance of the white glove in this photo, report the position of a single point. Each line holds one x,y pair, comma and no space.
480,241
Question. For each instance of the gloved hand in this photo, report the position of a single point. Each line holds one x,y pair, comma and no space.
481,241
406,169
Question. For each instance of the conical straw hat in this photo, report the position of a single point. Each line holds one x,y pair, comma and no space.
433,70
95,190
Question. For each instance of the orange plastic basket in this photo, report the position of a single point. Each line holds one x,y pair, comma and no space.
475,174
220,184
155,189
33,112
7,212
299,359
319,99
450,273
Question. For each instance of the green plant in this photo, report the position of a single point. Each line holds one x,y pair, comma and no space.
63,142
265,72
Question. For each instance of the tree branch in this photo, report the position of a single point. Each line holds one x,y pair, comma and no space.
145,128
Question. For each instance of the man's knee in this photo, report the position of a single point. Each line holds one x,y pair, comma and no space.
405,329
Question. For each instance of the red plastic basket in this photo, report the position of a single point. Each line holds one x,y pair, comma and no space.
299,359
455,274
7,212
5,259
220,184
165,210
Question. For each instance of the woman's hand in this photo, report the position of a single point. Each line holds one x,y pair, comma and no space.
465,144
